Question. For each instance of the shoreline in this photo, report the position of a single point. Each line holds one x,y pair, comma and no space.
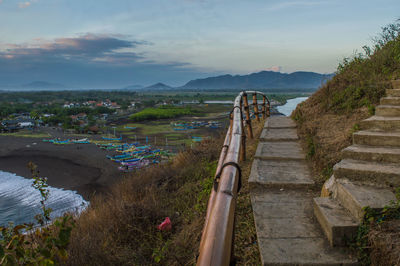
79,167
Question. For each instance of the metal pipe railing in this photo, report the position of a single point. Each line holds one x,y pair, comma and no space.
216,246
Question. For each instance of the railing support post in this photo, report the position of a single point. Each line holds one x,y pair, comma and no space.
247,111
243,148
255,104
264,109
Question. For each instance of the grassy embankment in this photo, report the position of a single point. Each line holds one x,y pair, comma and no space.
120,228
328,118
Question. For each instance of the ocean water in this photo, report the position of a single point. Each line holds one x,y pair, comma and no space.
20,202
290,105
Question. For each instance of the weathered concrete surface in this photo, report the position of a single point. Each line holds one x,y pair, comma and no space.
273,173
393,92
370,172
279,134
287,231
388,110
335,220
381,122
355,197
302,251
372,153
377,138
285,150
367,167
288,234
280,122
396,84
390,101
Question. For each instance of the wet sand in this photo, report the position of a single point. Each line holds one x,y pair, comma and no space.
80,167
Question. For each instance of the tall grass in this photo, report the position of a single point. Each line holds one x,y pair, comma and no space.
121,228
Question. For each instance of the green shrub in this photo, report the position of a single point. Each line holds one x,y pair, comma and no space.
163,112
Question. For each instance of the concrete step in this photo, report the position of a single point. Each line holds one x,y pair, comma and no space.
337,223
288,234
396,84
376,138
280,122
393,92
279,134
388,110
390,101
280,150
355,197
384,174
372,153
381,122
279,174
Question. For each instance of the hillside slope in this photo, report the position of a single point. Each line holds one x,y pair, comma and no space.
329,117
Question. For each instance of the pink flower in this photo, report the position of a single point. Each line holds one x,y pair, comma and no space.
166,225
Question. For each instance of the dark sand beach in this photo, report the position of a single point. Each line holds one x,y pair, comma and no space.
83,168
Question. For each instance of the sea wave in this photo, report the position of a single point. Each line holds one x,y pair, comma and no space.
20,202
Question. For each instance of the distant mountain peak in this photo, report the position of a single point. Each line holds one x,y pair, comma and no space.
158,86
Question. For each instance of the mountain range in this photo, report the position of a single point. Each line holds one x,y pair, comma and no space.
301,80
261,80
273,81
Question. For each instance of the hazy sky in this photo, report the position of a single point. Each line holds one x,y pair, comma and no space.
116,43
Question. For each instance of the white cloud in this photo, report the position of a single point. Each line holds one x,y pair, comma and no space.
274,68
24,4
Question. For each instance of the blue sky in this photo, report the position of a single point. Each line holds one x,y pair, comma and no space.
115,43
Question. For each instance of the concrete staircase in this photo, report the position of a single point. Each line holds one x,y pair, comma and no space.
282,200
367,174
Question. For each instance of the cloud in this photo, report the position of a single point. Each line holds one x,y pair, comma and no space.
274,68
24,4
89,60
88,47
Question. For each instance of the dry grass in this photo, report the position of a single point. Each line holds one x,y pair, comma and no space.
120,228
324,135
385,244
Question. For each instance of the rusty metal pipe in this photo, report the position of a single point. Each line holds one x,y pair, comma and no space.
217,238
221,161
